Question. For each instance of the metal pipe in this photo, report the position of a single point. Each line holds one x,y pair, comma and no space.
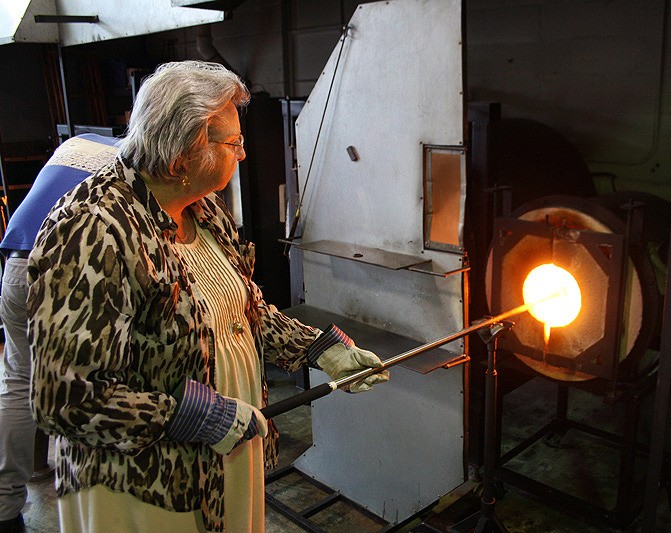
66,106
326,388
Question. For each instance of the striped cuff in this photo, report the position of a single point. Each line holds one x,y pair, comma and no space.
330,337
219,421
202,415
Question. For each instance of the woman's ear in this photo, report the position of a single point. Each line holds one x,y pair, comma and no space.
178,166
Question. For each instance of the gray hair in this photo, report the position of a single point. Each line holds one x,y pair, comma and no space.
171,113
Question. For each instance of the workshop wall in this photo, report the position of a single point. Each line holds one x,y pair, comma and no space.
596,71
24,109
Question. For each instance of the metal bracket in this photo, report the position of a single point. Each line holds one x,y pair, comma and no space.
91,19
373,256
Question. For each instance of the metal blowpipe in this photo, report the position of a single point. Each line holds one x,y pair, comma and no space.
326,388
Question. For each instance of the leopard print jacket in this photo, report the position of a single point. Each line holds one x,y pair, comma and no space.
115,323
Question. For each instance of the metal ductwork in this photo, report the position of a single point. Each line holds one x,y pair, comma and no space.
72,22
17,21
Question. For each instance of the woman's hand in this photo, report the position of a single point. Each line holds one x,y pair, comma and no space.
203,415
340,361
247,424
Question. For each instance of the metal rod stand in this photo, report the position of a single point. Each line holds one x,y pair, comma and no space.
485,520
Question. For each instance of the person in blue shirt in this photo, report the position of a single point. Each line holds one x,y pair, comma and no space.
73,161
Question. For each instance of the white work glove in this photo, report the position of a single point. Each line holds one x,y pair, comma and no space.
248,422
203,415
337,355
340,361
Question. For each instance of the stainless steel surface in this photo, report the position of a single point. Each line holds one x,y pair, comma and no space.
385,344
414,305
374,256
376,202
364,254
399,447
393,450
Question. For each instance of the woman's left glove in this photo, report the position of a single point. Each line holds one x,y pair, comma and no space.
205,416
337,355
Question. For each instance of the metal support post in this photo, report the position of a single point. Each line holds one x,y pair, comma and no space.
485,520
660,415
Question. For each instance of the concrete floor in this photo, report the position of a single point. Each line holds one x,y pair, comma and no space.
592,473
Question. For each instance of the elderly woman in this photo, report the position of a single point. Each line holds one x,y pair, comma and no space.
149,336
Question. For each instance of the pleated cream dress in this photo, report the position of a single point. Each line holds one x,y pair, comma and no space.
238,375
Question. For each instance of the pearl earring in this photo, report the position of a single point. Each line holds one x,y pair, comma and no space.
185,181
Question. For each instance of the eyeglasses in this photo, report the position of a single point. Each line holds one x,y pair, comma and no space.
239,144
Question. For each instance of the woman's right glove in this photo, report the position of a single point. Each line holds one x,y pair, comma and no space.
205,416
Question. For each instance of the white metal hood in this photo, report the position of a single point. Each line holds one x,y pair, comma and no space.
17,21
116,19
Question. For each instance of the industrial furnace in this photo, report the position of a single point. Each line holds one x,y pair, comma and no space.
394,218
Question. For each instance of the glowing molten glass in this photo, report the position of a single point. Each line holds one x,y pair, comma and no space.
554,296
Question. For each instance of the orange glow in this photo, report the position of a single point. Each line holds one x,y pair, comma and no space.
554,296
